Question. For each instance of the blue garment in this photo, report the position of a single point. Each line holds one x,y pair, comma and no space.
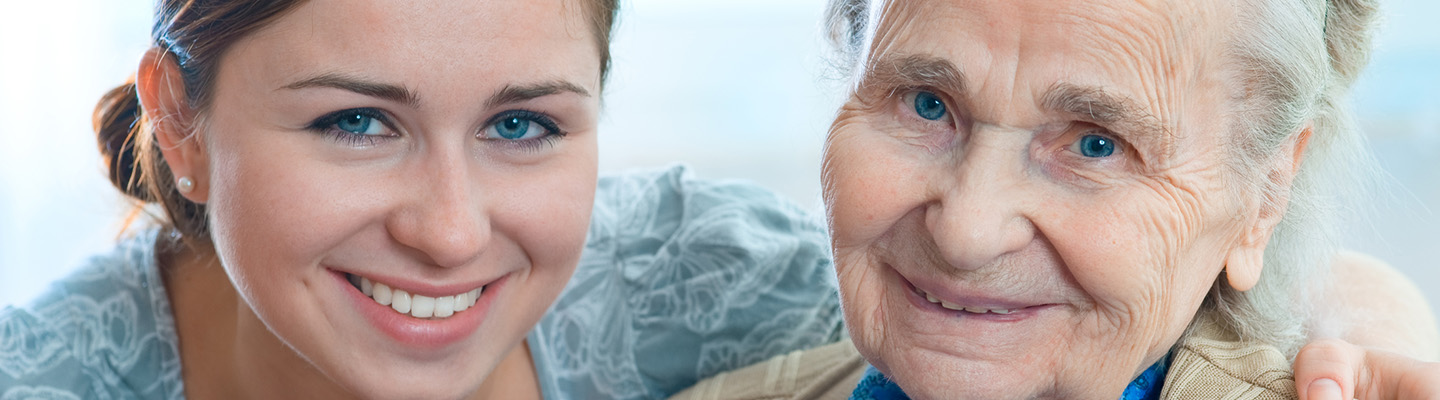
683,279
679,279
875,386
104,332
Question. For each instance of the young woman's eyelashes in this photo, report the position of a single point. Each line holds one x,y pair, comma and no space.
365,127
358,127
524,128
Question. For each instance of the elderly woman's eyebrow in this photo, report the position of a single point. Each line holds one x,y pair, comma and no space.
893,72
518,93
1118,113
392,92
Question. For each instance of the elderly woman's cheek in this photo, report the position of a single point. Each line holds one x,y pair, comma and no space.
868,186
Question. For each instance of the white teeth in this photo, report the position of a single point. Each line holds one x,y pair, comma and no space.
401,302
952,306
444,306
462,301
414,305
382,294
422,306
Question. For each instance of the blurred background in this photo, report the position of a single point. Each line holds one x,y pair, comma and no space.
734,88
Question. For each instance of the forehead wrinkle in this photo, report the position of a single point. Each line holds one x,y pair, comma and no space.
1141,44
1117,112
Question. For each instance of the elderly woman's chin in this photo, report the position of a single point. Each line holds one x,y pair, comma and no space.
995,339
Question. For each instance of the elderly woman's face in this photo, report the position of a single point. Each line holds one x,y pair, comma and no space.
1028,198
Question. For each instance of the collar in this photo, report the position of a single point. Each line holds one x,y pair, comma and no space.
875,386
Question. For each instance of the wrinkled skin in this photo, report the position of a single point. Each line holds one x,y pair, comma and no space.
1101,261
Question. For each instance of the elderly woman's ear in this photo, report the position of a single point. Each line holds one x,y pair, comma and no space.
1244,262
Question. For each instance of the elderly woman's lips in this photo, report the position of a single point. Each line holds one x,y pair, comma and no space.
970,305
957,307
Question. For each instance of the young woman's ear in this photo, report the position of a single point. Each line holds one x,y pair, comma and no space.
161,89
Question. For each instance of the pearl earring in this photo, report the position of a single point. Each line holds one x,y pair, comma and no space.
185,184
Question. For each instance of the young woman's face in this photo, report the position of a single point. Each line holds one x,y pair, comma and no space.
440,149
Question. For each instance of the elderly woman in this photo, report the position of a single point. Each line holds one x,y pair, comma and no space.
1081,199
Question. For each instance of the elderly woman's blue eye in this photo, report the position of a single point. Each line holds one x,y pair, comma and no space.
929,106
1095,146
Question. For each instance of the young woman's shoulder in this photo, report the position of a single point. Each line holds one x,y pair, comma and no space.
105,331
682,278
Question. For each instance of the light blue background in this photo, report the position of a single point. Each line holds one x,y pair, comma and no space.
734,88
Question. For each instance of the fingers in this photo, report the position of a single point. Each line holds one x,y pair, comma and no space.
1335,369
1327,368
1402,378
1324,388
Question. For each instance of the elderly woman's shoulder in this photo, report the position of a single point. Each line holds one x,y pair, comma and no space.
1372,304
822,373
1212,363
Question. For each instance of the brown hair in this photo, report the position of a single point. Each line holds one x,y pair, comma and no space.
197,33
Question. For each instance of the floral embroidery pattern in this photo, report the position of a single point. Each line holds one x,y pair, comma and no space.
682,279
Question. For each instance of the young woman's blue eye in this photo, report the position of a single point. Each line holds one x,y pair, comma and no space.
1095,146
514,128
516,125
355,126
929,106
359,124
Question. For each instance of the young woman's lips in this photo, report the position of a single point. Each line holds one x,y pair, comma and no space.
428,331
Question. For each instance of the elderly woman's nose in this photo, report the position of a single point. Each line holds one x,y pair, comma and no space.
977,214
444,216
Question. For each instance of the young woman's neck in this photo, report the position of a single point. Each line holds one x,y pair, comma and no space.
226,352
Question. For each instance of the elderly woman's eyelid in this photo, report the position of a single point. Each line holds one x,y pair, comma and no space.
1119,115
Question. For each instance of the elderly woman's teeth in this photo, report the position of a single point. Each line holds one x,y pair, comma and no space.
952,306
415,305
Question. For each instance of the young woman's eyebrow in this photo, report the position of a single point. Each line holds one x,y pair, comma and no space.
359,85
518,93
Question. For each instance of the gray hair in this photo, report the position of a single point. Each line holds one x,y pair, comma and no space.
1296,60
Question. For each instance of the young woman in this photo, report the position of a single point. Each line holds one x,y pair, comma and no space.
381,199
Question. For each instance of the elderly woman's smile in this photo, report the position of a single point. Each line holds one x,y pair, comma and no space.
1041,211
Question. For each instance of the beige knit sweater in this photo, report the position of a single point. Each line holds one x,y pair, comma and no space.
1209,364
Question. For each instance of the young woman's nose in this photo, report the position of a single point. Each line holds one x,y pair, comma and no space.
444,217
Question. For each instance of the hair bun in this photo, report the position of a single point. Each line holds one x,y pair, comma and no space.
115,127
1349,25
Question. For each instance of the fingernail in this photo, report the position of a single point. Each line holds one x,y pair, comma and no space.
1324,389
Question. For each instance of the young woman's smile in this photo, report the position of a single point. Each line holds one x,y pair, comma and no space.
397,192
